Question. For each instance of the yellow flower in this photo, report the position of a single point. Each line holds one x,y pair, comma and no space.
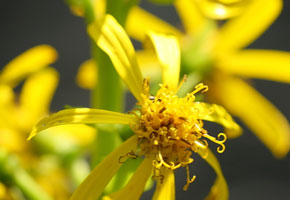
167,128
18,113
230,63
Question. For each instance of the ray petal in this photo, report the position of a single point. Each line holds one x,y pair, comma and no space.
82,116
219,190
262,64
216,113
139,22
260,115
166,189
87,74
93,186
26,63
37,93
115,42
190,15
134,189
168,52
239,32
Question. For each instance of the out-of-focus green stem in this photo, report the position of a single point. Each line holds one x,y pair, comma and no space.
11,170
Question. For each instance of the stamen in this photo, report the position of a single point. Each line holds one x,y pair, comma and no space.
184,79
188,179
200,88
130,154
221,140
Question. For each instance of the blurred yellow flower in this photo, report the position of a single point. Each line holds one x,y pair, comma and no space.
18,114
221,49
167,128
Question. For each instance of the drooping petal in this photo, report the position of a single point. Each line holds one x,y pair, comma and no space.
264,64
191,17
26,63
166,189
168,53
243,30
219,190
82,116
87,74
36,95
262,117
115,42
139,22
134,189
216,113
93,186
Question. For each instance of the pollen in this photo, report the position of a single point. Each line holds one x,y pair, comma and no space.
169,128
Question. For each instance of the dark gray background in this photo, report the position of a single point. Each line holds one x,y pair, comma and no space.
250,169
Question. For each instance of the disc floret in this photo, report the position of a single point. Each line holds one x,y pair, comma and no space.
169,128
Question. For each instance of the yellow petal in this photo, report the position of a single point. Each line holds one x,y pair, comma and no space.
168,53
243,30
115,42
79,134
36,95
263,64
221,9
93,186
149,64
6,95
139,22
134,189
28,62
190,15
216,113
262,117
82,116
87,74
166,189
219,190
12,140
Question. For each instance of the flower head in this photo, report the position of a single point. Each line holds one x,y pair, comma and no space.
216,52
167,128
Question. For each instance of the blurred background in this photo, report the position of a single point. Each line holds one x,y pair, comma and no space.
250,169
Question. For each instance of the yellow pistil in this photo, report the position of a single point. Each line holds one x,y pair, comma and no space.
169,129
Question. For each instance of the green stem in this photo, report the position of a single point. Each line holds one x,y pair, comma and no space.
11,170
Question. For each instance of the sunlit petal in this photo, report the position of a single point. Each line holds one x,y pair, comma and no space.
139,22
87,74
26,63
216,113
219,190
262,117
36,95
243,30
115,42
263,64
93,186
134,189
190,15
166,189
82,116
168,53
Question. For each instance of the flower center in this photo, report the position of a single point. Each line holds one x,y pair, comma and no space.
169,128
